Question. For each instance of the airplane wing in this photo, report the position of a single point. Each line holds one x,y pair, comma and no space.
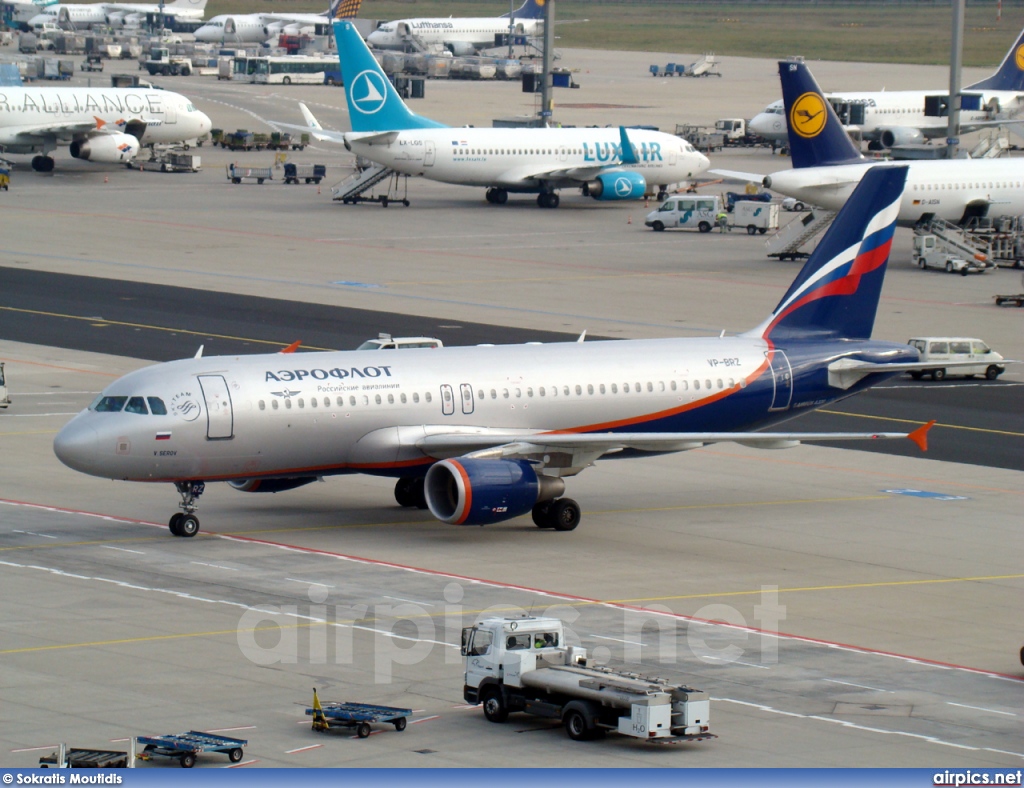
580,449
742,177
847,371
57,130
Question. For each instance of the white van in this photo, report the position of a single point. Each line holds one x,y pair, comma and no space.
388,342
942,350
691,210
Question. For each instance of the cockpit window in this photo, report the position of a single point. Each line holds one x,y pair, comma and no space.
156,405
137,405
110,404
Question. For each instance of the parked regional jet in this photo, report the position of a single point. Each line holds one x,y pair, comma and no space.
827,166
78,15
899,117
99,124
22,12
607,164
484,434
460,35
257,28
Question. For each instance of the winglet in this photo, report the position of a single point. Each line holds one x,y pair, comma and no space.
311,120
293,346
920,435
628,155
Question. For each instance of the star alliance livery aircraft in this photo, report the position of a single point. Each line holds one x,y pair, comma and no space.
607,164
484,434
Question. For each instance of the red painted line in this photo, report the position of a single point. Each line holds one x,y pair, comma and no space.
302,749
425,719
32,749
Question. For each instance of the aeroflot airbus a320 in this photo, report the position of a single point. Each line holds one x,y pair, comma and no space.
484,434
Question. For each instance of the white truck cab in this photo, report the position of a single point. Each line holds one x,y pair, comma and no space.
952,355
524,665
698,212
4,399
388,342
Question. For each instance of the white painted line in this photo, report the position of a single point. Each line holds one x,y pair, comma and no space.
411,601
618,640
851,684
37,415
243,763
980,708
225,730
309,582
33,533
215,566
52,393
302,749
425,719
123,550
115,741
32,749
735,662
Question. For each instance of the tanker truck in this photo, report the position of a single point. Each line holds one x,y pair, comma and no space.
524,665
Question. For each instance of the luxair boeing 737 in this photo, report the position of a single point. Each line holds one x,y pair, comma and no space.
484,434
827,166
607,164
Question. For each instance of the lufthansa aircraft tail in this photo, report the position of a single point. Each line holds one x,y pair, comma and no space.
816,137
344,9
1010,74
373,104
836,294
531,9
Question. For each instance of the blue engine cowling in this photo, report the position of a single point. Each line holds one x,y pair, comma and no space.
625,185
478,492
272,485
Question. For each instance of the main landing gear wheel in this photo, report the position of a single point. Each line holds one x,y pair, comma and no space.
547,200
409,492
561,515
42,164
496,196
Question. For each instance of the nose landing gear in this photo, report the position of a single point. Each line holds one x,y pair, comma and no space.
185,522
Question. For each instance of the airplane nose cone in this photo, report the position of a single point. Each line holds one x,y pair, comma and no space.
758,124
76,446
374,38
205,124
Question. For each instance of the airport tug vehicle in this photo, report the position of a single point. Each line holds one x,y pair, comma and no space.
524,665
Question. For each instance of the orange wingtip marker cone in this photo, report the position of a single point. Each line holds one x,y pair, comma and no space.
293,346
920,435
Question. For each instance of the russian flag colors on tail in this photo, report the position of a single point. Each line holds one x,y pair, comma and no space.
816,136
373,104
836,294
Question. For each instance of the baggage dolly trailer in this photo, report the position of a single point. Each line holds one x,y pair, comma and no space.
77,758
186,746
356,715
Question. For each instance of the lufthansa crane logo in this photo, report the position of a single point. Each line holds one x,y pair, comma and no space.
623,188
1019,57
369,92
808,115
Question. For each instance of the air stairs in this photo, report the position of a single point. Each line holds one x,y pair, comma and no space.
955,241
991,145
353,189
705,67
787,242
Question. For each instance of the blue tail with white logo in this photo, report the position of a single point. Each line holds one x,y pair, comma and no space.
1010,74
816,136
836,294
531,9
373,104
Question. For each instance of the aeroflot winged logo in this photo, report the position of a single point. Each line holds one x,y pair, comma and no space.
369,92
807,117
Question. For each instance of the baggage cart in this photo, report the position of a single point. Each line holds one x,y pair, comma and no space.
308,173
237,174
76,758
186,746
355,715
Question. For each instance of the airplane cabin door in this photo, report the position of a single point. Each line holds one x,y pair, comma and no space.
467,398
170,113
782,374
447,400
428,153
220,418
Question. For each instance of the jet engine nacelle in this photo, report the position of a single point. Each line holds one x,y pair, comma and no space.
116,18
273,29
891,136
461,48
624,185
478,492
271,485
109,148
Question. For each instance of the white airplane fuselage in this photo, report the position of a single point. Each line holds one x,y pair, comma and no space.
945,189
508,157
477,33
255,28
32,119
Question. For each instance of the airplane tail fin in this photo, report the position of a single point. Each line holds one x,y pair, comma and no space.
816,136
344,9
373,104
835,295
531,9
1010,74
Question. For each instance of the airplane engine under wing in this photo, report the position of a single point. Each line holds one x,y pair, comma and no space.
272,485
461,48
890,136
113,148
468,491
617,186
116,19
271,30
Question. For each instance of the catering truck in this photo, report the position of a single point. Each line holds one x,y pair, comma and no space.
524,665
